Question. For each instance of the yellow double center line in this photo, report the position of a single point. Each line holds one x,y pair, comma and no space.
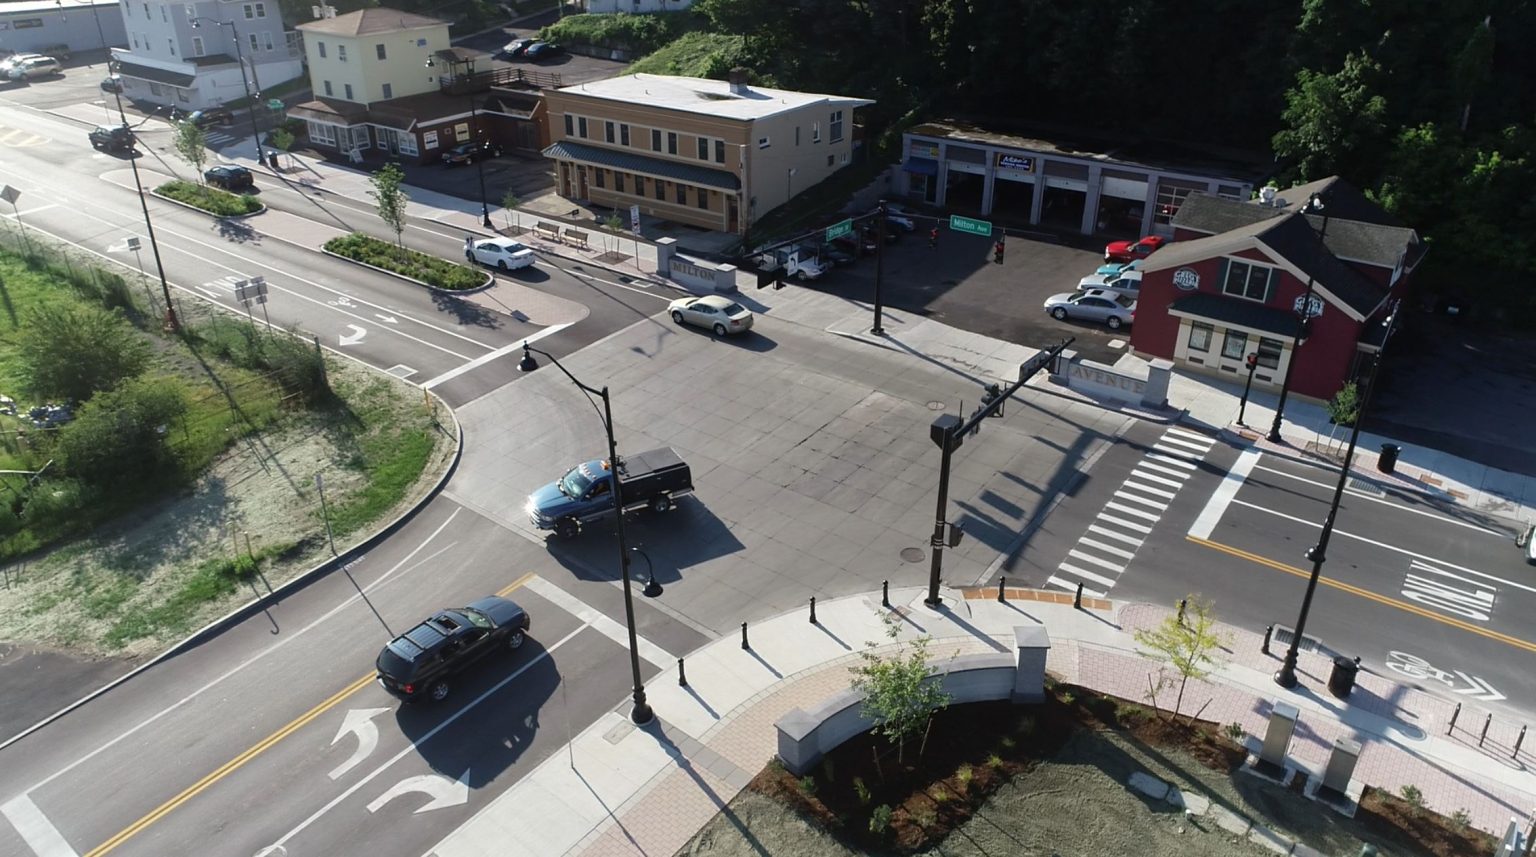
1367,594
255,750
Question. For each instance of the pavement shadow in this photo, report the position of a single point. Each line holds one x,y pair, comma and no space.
489,738
749,341
238,231
686,536
465,312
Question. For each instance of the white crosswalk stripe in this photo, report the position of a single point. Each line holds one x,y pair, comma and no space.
1102,554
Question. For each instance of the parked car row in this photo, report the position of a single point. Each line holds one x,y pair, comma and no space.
29,66
530,49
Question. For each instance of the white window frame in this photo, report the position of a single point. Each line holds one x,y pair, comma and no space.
255,45
406,142
381,52
1248,272
326,85
764,142
1200,327
387,91
815,132
836,123
197,46
341,53
320,46
346,89
323,133
268,40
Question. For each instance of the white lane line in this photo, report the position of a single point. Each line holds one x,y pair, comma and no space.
599,621
1175,484
1169,460
1385,502
36,830
278,846
1114,534
1121,522
1091,577
1132,484
1165,470
1145,501
1205,523
500,352
238,668
1072,587
1109,549
1394,548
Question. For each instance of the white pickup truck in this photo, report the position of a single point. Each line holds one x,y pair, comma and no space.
800,262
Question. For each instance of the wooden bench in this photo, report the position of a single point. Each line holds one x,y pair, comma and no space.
547,230
576,238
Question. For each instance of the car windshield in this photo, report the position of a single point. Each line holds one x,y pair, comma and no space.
1124,302
475,617
733,309
575,483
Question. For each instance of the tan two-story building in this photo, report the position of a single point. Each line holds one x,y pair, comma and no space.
711,153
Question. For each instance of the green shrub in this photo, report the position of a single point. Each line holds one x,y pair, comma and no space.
964,774
1413,797
431,270
1007,742
939,794
1025,725
73,350
708,55
210,199
1461,820
121,437
994,761
926,817
861,790
807,785
639,33
880,819
1235,731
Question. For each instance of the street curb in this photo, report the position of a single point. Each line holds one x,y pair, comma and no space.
240,614
490,280
189,206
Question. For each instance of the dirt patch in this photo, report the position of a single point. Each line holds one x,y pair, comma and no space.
1051,780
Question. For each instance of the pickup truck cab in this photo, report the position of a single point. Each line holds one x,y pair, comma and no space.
648,480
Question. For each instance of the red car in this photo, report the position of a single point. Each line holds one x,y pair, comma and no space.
1129,251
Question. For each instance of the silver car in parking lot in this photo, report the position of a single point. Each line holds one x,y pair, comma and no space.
1111,308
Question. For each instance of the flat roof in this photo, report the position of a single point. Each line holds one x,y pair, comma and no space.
11,6
702,95
1147,153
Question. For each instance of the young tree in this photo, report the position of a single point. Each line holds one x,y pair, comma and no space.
895,687
74,351
280,139
192,145
509,201
1344,407
1188,640
613,223
391,200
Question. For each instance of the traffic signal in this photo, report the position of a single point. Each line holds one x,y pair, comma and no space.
991,394
997,252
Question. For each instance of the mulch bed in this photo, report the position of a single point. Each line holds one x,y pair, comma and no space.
873,798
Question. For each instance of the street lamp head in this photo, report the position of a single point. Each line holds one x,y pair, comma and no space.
527,364
1314,204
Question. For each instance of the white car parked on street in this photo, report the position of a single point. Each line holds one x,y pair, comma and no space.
502,253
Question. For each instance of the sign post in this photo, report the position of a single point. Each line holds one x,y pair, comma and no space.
970,225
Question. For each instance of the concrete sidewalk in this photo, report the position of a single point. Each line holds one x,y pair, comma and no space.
622,790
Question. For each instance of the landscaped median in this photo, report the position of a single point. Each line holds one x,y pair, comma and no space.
411,264
220,203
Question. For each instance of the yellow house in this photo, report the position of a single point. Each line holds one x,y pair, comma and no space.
711,153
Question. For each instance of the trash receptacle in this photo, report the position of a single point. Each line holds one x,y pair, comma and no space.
1388,461
1342,680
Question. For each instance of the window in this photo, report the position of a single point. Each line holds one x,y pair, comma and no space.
146,11
154,88
1235,345
702,196
837,126
1245,280
639,185
346,89
323,134
254,45
172,43
135,41
191,10
703,149
320,46
328,88
623,135
581,127
267,37
655,140
671,143
197,46
1269,352
389,91
719,151
164,16
618,182
763,143
815,132
570,121
607,134
1200,336
406,142
597,177
379,49
829,160
661,189
797,135
341,53
682,193
255,10
183,95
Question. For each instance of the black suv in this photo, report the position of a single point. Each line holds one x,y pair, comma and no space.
112,137
421,661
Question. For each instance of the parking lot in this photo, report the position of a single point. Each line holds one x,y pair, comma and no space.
80,82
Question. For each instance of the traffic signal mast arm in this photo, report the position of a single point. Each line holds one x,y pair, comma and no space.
993,402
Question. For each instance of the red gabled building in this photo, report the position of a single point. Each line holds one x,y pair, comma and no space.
1234,281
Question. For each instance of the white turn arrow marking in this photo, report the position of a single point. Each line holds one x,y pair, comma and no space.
356,336
1480,689
359,720
389,319
444,792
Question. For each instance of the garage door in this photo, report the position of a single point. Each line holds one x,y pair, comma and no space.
1122,188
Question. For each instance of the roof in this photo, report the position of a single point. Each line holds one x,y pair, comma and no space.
407,111
365,22
691,173
330,110
702,95
519,105
155,75
1236,312
35,6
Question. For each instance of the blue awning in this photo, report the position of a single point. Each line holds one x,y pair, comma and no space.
922,166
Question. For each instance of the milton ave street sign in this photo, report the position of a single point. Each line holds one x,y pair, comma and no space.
971,225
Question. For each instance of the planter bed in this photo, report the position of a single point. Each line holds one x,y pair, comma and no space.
429,270
211,200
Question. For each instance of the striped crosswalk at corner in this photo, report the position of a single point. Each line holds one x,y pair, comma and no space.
1109,544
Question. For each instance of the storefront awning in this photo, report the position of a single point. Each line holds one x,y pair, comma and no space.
1235,312
922,166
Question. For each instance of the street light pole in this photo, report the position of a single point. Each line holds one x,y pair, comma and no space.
245,82
1314,205
475,136
640,713
1286,676
172,323
880,226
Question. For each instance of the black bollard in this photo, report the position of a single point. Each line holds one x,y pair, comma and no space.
1454,714
1483,736
813,610
682,677
1181,610
1077,599
885,593
1518,741
1268,632
744,636
1001,595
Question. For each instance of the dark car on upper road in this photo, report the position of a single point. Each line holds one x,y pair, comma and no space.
422,661
468,153
229,177
211,117
112,83
517,47
113,138
542,51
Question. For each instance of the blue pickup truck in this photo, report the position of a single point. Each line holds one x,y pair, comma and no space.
649,480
